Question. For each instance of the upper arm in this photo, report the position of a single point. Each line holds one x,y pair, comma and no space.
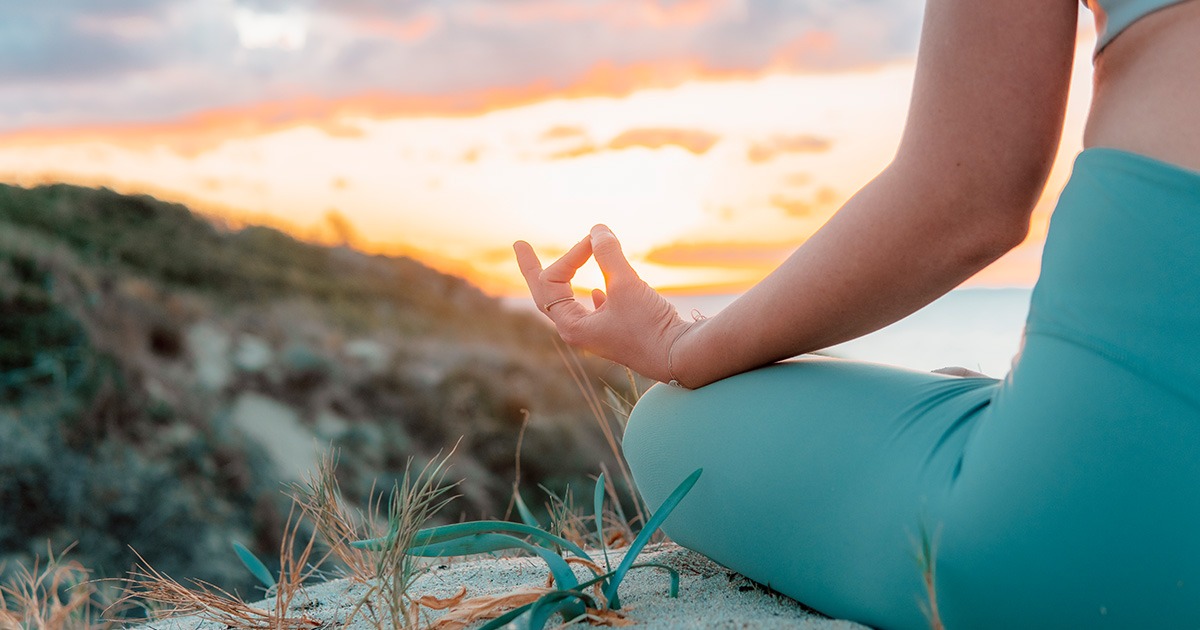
989,99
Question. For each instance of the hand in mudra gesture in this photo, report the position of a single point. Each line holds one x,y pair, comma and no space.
631,323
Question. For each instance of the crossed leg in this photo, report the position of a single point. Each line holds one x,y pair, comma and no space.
818,476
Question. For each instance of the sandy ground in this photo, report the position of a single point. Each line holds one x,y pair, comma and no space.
710,596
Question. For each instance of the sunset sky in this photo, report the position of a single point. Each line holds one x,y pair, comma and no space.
713,136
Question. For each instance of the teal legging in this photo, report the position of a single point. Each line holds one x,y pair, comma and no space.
1065,496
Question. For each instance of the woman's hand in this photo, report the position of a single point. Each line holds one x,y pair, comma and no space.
632,324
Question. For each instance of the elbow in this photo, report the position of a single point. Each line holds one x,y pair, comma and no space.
994,214
987,206
1007,234
994,238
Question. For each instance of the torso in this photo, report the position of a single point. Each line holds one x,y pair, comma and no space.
1147,88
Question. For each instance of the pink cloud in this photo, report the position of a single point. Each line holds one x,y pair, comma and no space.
409,31
620,13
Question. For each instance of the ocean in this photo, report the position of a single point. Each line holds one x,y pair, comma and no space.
979,329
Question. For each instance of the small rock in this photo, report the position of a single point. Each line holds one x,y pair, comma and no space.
253,354
371,354
209,347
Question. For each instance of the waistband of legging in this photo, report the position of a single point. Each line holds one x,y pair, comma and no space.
1135,166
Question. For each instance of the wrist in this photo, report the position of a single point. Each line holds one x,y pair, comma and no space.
676,368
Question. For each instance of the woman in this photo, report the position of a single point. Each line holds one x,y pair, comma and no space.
1066,495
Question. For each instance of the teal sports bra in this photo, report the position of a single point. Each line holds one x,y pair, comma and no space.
1114,16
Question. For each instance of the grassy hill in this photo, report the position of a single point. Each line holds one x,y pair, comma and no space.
163,376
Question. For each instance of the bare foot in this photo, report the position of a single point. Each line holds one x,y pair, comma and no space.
960,371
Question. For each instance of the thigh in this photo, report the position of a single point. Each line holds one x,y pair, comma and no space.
817,475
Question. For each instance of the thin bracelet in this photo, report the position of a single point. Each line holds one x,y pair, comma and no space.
696,319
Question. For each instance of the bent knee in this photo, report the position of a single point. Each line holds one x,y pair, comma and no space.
645,418
650,441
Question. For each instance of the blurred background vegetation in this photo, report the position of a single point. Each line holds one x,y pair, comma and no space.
164,376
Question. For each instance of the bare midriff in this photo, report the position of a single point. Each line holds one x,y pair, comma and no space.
1147,88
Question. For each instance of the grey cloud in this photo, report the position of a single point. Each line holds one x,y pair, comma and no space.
405,47
47,47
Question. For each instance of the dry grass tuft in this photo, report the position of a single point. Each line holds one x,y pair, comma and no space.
320,499
566,520
58,597
621,406
387,602
166,598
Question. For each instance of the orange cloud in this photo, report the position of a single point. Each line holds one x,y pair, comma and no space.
579,150
563,132
581,144
199,132
826,195
767,150
731,255
798,179
693,140
795,207
791,206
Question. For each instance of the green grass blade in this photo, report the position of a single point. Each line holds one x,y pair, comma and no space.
256,567
571,603
598,507
523,510
564,577
643,537
465,546
674,592
489,542
450,532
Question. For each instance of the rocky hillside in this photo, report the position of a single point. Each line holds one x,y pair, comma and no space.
162,377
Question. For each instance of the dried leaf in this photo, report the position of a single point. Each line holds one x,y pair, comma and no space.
573,560
616,537
608,617
485,607
429,601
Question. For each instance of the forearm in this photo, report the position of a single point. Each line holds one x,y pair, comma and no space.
897,245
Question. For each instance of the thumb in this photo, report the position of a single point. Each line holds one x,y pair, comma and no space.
607,251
